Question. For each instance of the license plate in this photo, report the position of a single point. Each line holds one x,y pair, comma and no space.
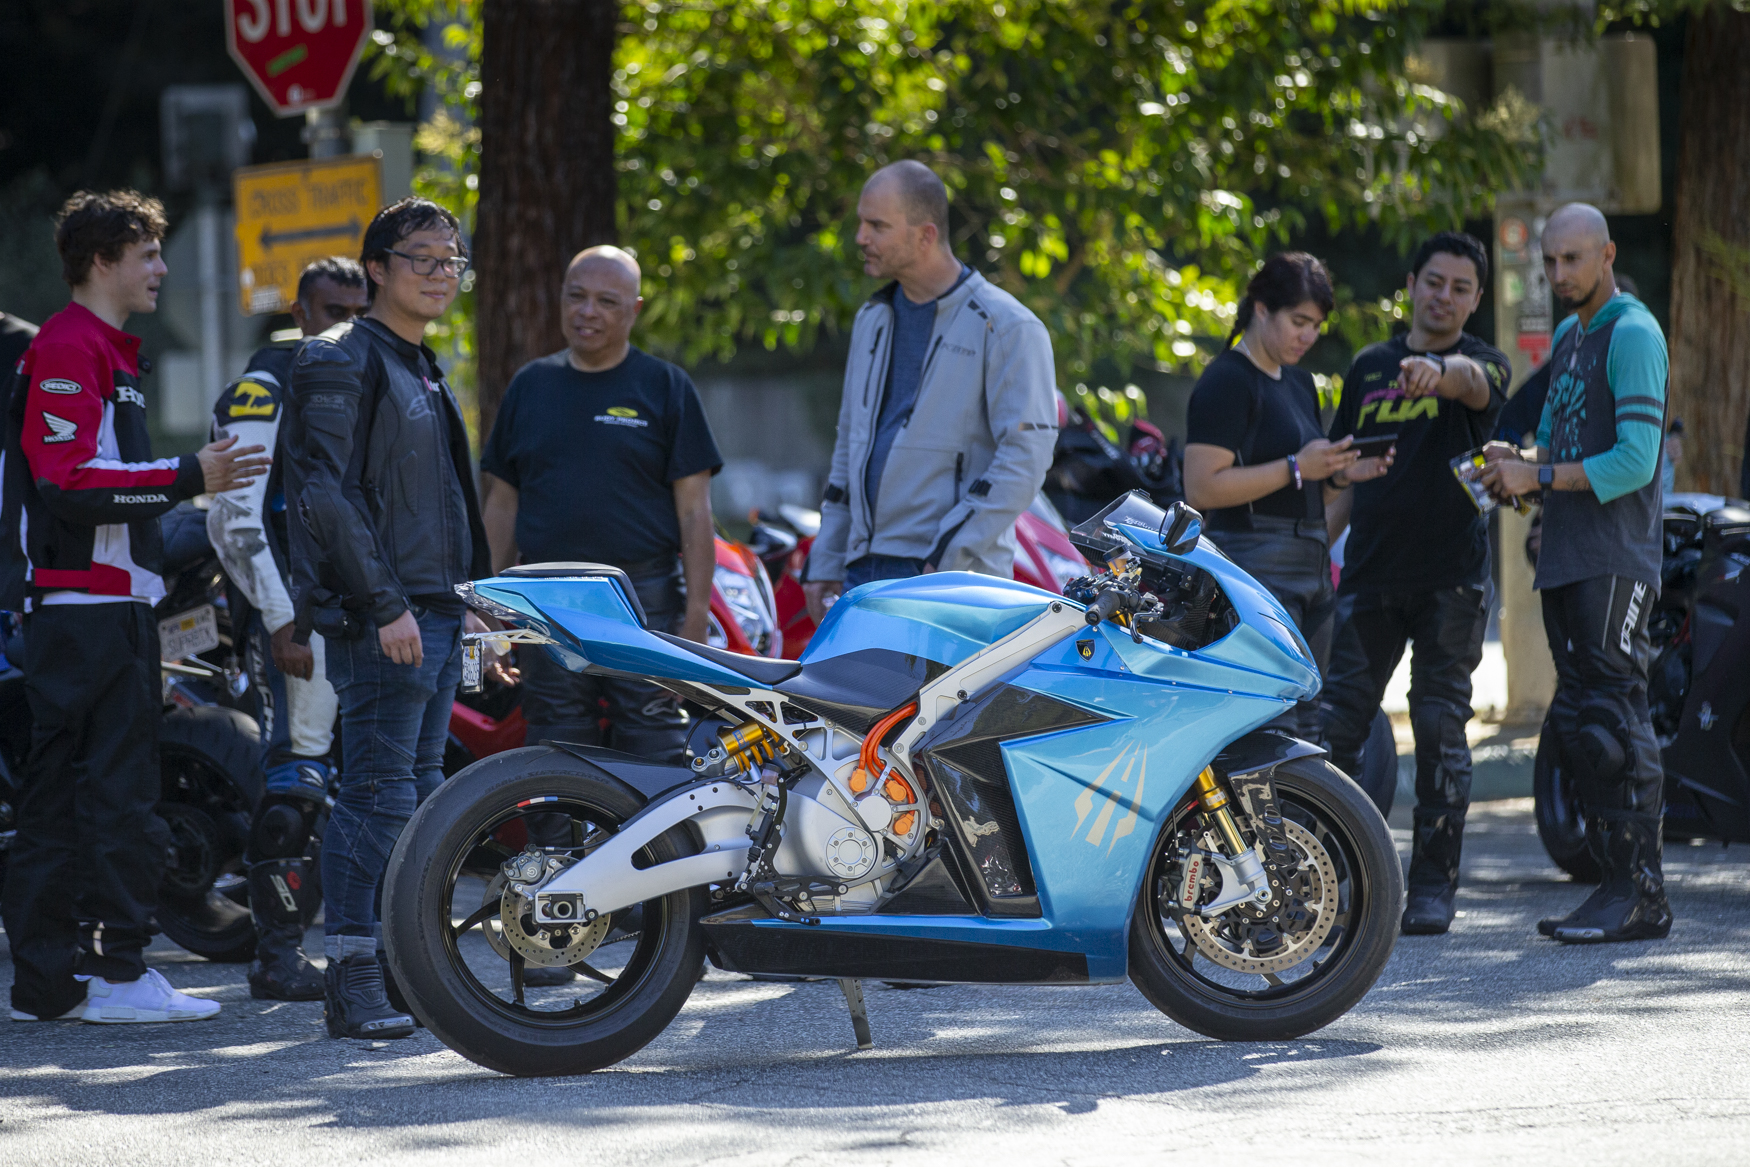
192,632
471,682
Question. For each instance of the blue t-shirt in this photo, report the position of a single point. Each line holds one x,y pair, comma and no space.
913,324
595,456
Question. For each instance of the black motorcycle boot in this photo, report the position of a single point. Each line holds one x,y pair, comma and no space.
281,971
1433,878
357,1004
1630,903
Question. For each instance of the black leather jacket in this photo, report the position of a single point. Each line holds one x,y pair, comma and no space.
379,479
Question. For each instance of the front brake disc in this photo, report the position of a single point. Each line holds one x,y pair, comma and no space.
1299,919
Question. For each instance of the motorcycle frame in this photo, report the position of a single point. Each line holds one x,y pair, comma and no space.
1089,810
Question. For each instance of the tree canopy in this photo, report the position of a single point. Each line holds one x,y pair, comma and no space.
1121,167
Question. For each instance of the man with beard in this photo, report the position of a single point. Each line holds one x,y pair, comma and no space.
1597,458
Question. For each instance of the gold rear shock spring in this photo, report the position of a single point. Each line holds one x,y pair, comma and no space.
749,745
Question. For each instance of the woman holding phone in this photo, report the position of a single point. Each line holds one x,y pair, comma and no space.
1257,463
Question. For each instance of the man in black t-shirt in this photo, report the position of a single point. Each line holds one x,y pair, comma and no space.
1417,564
601,453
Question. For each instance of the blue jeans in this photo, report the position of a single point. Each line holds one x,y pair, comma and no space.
873,567
394,721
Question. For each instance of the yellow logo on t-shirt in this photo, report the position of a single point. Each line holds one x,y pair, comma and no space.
621,411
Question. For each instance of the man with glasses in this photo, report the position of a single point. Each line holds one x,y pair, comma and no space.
384,525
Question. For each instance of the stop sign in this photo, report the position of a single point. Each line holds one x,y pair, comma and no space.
300,54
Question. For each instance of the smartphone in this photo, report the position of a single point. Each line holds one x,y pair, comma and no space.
1374,445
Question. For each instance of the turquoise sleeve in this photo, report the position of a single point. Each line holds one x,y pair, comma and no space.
1636,366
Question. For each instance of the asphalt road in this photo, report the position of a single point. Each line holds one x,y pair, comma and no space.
1486,1043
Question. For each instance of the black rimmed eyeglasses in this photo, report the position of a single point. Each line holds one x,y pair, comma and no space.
424,265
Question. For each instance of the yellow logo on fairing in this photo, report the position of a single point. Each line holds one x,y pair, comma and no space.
1110,798
621,411
259,403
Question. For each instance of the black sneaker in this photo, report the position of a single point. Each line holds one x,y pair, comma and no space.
357,1004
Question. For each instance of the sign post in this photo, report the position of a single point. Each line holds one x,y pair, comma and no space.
299,54
292,213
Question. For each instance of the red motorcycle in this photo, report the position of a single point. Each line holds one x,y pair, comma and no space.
744,618
1044,557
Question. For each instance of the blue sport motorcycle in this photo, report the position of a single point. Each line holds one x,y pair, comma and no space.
965,779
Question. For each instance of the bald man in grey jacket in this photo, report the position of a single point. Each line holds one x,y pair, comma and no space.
949,413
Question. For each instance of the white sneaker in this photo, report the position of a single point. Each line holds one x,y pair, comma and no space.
148,999
73,1014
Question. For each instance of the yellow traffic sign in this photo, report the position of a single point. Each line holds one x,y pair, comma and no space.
290,214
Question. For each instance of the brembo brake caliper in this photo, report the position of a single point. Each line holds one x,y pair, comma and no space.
1242,873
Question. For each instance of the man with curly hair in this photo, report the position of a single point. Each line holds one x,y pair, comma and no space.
84,870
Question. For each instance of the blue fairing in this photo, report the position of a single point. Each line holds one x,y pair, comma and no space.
944,617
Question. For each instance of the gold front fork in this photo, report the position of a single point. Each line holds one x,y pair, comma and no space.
1214,801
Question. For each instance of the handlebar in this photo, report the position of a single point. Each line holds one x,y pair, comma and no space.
1106,607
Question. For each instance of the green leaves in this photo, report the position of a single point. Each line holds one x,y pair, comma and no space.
1119,166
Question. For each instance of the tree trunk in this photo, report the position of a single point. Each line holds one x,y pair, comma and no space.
1710,318
547,182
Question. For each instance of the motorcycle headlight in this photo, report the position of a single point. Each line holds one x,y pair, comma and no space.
747,605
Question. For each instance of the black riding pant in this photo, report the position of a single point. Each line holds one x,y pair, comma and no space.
82,879
1598,636
1444,630
645,719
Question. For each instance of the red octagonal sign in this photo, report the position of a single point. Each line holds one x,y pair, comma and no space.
299,53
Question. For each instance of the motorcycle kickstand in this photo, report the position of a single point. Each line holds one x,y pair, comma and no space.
853,991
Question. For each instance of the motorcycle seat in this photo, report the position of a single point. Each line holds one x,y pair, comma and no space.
766,671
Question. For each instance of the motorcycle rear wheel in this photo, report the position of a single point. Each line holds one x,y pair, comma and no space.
210,786
461,982
1561,816
1368,892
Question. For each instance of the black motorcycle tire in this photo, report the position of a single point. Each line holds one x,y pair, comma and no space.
1378,882
1561,817
416,889
209,758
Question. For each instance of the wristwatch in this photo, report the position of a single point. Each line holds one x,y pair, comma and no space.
1546,475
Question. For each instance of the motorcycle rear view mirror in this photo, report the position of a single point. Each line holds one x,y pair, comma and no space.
1181,529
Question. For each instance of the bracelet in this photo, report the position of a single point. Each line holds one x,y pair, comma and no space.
1294,469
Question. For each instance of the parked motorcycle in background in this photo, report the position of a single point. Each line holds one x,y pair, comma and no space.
1698,690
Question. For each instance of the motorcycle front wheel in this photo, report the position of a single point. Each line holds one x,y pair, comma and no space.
1318,949
462,950
1560,815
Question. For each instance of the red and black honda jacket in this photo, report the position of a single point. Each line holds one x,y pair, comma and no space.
79,459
